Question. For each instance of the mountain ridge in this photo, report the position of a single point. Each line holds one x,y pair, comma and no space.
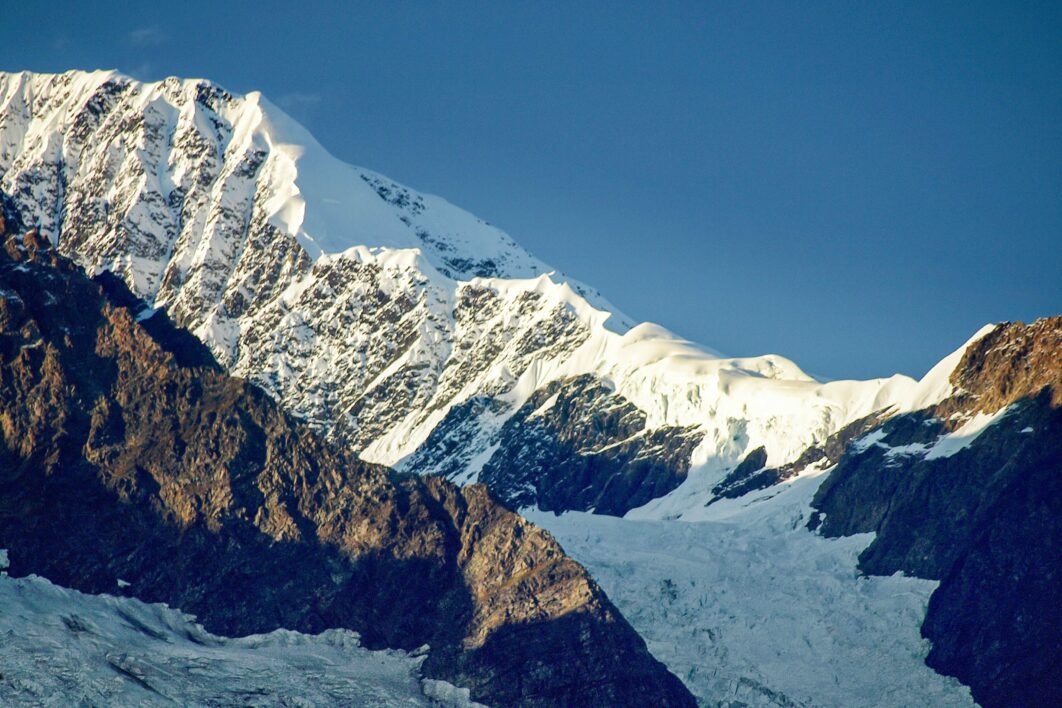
196,198
533,386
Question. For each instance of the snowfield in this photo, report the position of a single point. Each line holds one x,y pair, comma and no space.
59,647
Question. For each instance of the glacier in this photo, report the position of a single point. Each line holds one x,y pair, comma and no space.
749,607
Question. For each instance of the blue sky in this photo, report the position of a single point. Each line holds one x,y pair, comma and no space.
857,186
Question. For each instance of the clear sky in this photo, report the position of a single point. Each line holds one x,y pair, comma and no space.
858,186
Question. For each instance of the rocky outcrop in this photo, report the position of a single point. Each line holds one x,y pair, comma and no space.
970,492
753,473
576,444
1012,362
126,456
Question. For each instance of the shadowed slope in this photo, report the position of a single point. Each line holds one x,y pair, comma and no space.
970,492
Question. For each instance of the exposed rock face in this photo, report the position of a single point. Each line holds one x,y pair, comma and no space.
970,492
128,457
575,444
1013,362
750,475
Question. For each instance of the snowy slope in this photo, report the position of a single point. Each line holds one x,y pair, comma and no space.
369,309
896,395
748,606
184,135
61,648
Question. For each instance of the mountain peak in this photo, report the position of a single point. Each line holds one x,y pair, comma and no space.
325,204
194,488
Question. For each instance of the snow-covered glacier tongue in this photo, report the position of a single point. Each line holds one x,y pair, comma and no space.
748,607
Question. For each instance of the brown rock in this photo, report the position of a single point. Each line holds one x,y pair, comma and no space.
120,459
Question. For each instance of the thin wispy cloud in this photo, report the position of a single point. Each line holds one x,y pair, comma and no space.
300,104
147,36
299,99
145,71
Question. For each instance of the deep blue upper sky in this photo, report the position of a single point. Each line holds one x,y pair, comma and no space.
857,186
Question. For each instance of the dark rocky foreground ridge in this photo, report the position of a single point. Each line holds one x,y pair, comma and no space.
986,521
125,453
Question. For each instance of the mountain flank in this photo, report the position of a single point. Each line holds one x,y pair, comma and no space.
130,464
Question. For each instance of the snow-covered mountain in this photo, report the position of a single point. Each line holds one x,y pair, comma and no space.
130,463
422,338
403,326
951,513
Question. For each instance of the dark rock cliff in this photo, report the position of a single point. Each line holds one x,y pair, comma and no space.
125,453
575,444
986,520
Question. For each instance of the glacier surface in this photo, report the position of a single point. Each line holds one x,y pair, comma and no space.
59,647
